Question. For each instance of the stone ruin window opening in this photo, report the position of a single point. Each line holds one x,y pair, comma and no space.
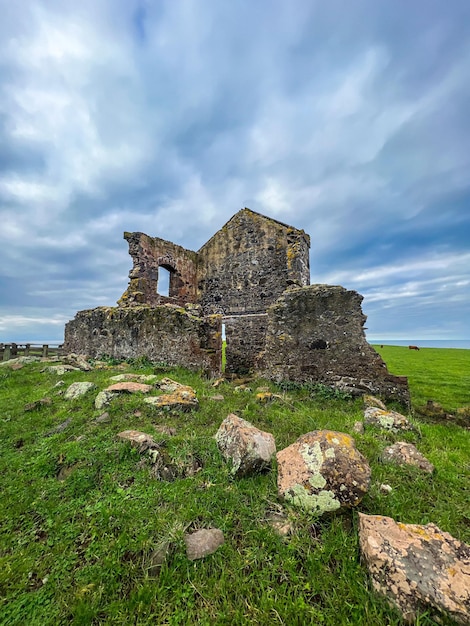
164,280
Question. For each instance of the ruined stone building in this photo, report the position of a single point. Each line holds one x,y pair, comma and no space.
252,277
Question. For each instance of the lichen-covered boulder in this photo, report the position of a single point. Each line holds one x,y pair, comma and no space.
323,472
418,568
76,390
182,399
249,449
403,453
388,420
61,369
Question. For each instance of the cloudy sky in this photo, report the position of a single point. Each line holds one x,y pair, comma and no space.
347,119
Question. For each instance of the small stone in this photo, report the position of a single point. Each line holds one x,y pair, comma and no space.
103,418
280,524
384,488
158,558
404,453
358,428
217,398
31,406
264,397
60,427
138,440
203,542
103,399
76,390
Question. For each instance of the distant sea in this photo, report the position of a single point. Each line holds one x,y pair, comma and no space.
424,343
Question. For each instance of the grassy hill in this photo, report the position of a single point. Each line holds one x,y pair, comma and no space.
83,523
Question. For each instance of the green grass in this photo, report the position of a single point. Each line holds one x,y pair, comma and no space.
79,550
439,374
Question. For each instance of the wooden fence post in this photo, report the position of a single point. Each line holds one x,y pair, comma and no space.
6,352
45,350
26,350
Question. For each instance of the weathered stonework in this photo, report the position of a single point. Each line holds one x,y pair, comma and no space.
163,334
253,275
315,334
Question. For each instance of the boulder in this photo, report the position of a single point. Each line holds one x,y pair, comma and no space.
77,360
129,387
418,568
76,390
358,428
203,542
323,472
169,385
404,453
249,449
389,420
182,399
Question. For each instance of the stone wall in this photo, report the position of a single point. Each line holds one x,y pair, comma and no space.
246,337
167,334
247,264
150,253
315,334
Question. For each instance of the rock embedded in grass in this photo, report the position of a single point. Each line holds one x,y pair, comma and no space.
182,399
403,453
129,387
137,439
103,399
323,472
249,449
76,390
203,542
372,401
418,568
388,420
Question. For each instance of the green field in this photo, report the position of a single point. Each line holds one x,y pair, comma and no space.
82,519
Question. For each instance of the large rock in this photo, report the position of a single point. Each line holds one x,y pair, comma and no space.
249,449
76,390
388,420
103,399
323,471
182,399
140,378
203,542
418,568
403,453
61,369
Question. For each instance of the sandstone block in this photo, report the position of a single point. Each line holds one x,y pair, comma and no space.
249,449
323,472
418,568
